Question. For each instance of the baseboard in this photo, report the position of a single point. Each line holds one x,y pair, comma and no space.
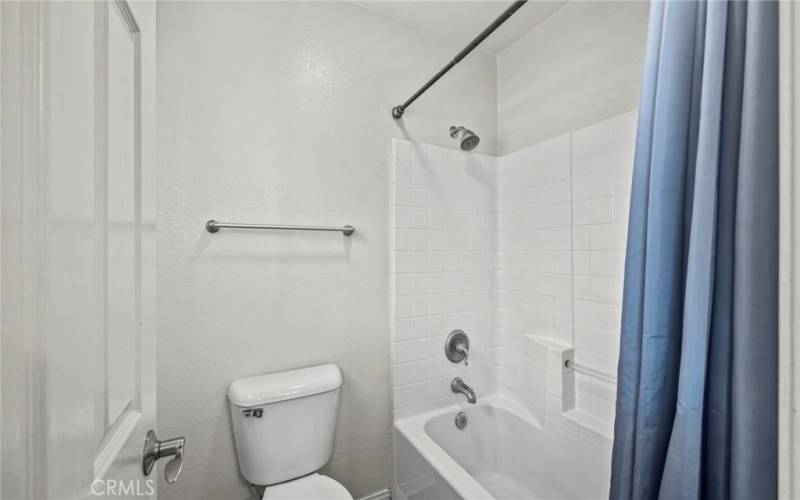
384,494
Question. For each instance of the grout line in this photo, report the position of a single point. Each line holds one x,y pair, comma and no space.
572,239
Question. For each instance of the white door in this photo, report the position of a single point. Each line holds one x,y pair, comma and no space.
78,248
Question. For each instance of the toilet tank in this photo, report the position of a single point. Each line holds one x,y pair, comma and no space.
283,422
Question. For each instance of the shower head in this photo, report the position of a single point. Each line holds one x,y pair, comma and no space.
468,140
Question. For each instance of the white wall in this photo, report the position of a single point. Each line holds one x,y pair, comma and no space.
580,66
280,112
443,275
789,416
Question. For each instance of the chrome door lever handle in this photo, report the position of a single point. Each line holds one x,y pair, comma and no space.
155,449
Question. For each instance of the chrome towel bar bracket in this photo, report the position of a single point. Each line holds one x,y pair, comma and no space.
213,226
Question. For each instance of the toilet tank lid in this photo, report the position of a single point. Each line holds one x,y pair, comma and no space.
280,386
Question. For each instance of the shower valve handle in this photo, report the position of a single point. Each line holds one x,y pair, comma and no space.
460,347
456,347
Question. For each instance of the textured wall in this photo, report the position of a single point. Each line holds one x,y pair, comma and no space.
280,112
580,66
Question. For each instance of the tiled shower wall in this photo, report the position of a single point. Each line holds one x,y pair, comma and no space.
534,266
602,165
529,244
443,277
563,210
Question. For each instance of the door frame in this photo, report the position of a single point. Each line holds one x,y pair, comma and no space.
22,127
789,316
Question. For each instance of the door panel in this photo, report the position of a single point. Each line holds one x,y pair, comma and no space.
60,189
122,232
78,267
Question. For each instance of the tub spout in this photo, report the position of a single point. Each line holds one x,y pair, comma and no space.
460,387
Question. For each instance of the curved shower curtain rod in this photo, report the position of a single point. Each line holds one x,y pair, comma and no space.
398,110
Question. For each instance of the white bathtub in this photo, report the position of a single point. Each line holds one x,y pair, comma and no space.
504,452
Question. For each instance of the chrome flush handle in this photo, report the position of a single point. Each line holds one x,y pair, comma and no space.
155,449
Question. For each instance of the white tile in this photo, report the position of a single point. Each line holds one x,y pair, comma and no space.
597,315
582,262
593,211
607,263
402,328
419,239
597,185
419,196
403,262
598,393
527,243
596,340
402,284
402,172
608,236
402,307
402,194
621,207
623,178
419,218
415,350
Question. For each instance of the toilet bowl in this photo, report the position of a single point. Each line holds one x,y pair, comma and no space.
283,426
312,487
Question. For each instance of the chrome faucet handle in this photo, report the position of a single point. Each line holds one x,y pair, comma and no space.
155,449
456,347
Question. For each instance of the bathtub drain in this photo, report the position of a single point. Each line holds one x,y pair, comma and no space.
461,420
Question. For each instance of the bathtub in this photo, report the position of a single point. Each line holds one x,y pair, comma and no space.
504,452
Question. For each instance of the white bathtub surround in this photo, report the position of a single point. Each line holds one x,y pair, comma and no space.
503,452
602,166
534,285
574,187
546,227
443,266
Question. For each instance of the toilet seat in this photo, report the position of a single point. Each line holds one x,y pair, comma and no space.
312,487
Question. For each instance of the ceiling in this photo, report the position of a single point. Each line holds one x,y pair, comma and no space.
461,21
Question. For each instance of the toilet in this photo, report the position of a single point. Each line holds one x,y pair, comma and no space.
283,426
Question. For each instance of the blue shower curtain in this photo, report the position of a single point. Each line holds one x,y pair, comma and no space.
697,395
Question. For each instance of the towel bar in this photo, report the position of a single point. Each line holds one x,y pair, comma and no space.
213,226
